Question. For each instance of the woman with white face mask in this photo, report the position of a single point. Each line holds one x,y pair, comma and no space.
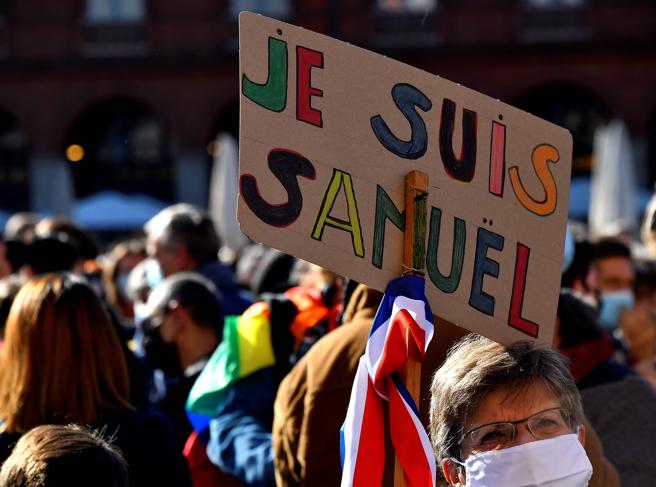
507,417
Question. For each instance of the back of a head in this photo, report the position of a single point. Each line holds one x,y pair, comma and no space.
645,283
84,244
54,253
156,224
188,227
580,265
475,366
193,292
578,320
16,253
58,328
264,270
64,456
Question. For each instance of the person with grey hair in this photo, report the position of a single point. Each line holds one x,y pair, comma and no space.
20,226
507,417
183,238
182,326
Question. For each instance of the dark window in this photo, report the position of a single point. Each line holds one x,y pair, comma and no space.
573,108
120,144
14,152
554,21
114,28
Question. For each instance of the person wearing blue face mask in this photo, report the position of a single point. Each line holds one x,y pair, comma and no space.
507,417
615,275
615,398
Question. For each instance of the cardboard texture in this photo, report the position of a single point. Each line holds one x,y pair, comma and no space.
328,132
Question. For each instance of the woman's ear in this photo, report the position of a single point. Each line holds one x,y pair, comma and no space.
452,472
581,434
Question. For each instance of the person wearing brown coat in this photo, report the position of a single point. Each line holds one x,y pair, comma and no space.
312,401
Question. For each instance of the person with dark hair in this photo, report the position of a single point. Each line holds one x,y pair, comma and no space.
5,264
615,275
183,325
62,362
183,238
577,276
53,253
631,324
64,455
580,338
84,243
16,254
264,270
232,400
640,334
616,399
507,416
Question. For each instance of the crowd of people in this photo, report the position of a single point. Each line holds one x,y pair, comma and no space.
152,361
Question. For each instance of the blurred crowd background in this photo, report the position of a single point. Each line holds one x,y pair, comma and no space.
118,177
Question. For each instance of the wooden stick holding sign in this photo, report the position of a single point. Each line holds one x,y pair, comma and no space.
414,250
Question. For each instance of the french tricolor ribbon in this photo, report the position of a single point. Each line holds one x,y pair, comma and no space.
403,321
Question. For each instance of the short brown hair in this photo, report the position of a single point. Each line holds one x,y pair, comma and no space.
474,367
61,361
56,455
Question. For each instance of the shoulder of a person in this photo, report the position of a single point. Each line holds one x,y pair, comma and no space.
631,393
352,335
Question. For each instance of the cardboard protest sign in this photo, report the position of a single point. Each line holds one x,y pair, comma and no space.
328,132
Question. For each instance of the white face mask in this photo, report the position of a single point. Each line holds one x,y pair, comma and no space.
559,461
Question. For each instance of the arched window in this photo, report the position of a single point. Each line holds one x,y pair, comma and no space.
14,151
114,28
554,21
121,144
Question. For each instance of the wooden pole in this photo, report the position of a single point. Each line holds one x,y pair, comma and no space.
414,252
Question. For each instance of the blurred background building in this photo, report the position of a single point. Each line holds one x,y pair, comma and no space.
114,104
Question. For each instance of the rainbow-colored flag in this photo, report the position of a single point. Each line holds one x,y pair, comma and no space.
247,347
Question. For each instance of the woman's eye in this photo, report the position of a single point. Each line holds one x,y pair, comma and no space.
493,436
546,423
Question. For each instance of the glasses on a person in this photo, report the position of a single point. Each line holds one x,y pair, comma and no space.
497,436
